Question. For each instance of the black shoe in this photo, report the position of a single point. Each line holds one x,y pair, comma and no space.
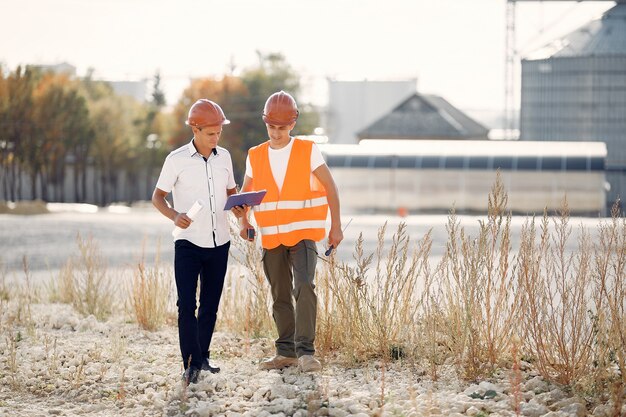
206,366
191,375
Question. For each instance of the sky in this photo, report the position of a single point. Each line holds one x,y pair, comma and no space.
454,48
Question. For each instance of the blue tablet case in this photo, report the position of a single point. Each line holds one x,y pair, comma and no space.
251,198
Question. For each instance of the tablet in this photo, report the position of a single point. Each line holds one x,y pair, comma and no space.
251,198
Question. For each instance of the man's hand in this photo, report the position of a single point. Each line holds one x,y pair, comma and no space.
182,220
239,211
335,236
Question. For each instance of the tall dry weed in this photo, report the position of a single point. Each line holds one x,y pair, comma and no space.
555,299
376,302
12,343
5,293
609,294
478,294
433,339
17,301
400,282
150,296
83,281
343,321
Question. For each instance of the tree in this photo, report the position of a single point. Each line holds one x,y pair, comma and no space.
60,120
49,120
116,142
16,106
155,128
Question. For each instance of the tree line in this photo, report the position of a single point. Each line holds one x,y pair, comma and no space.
55,129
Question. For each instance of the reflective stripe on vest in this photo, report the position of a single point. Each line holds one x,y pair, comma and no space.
296,204
291,227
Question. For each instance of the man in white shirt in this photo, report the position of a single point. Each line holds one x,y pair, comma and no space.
198,171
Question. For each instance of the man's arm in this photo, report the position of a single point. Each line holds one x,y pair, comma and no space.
335,235
158,200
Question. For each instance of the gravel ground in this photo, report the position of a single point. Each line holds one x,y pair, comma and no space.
68,365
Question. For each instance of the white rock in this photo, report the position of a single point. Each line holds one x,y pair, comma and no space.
575,410
472,411
567,402
472,389
88,323
356,408
486,386
282,391
537,385
337,412
557,395
532,409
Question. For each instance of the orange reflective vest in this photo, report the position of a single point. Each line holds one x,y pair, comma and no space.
299,211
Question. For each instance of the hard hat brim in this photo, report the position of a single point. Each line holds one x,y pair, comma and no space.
272,122
224,122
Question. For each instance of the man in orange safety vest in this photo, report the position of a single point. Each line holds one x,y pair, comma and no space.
290,219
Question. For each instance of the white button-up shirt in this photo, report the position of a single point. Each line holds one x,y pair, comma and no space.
189,178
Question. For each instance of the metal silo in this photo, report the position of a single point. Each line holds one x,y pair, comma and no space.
575,89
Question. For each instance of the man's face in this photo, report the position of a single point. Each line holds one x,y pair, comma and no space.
208,135
279,133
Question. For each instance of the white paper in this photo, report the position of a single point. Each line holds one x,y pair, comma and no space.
192,213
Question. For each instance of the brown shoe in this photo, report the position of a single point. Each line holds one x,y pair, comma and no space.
278,362
308,363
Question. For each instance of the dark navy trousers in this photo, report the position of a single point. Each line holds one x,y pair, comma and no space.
191,261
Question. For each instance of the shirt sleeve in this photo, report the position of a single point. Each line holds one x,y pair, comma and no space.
248,167
167,178
317,160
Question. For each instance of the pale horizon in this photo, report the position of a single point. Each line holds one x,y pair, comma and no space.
455,49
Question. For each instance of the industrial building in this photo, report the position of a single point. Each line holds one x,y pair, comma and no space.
574,89
425,116
436,175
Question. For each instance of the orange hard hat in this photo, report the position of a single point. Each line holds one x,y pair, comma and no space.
280,109
206,113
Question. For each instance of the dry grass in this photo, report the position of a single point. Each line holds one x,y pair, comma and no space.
246,301
609,295
5,294
372,308
12,340
16,301
556,301
83,282
150,296
476,292
24,207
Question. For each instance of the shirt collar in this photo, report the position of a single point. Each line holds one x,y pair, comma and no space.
193,150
